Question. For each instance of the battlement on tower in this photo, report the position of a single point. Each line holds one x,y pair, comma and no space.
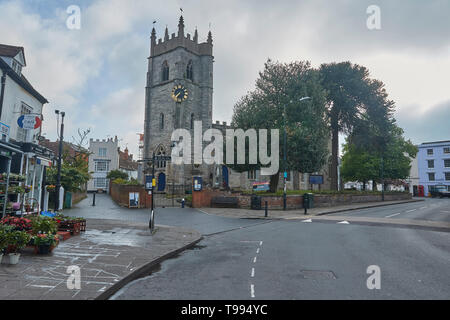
180,40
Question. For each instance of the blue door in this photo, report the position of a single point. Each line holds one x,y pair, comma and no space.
161,182
225,176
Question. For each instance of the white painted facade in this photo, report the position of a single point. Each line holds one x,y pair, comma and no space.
103,158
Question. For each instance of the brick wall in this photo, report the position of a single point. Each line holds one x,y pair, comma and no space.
120,194
203,199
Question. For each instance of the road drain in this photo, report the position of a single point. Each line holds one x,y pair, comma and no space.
318,274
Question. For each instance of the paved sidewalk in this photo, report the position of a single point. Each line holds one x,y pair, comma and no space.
292,214
110,254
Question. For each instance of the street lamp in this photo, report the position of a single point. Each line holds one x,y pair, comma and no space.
285,151
58,177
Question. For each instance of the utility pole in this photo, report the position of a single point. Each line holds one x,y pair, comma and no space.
58,177
284,160
152,217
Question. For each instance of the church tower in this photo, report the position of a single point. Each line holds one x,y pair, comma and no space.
179,91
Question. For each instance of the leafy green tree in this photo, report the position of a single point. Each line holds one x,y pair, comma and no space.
279,88
384,157
75,165
117,174
352,96
359,165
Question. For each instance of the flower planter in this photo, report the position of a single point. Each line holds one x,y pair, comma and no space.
44,249
14,258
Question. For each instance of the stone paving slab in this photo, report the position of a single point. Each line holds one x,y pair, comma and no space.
290,214
109,254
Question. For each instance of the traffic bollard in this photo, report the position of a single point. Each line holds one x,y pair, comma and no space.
93,200
265,209
182,203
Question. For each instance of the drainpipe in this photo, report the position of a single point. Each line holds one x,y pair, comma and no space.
2,93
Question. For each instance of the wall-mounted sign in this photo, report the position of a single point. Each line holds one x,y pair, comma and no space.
149,182
133,199
4,131
198,183
29,121
316,179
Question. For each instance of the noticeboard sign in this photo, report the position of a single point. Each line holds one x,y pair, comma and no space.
316,179
148,182
198,183
133,199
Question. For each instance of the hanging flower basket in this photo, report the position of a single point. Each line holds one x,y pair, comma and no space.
51,188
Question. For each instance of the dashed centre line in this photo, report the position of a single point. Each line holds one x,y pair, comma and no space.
411,210
393,215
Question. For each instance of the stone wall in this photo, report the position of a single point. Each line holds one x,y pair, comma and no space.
120,194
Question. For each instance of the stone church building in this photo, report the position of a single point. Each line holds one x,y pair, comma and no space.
179,91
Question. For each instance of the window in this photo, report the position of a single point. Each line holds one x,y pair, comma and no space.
447,176
161,152
431,176
161,121
101,166
22,133
447,163
430,164
165,71
100,183
102,152
189,71
430,152
251,174
447,150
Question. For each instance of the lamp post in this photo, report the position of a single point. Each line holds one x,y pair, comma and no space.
285,152
58,177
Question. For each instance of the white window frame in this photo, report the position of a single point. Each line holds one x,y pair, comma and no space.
96,164
429,176
446,150
428,152
101,153
428,163
445,166
103,185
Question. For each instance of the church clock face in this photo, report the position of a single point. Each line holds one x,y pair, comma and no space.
179,93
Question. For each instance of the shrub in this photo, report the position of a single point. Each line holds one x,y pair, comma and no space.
44,239
17,240
44,225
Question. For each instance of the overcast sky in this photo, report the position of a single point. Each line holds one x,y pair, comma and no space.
97,74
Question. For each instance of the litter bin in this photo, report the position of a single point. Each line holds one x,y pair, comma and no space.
308,200
68,200
255,203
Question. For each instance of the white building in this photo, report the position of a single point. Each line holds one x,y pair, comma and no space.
19,147
103,158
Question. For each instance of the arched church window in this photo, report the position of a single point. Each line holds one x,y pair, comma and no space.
160,163
192,121
161,121
165,71
190,71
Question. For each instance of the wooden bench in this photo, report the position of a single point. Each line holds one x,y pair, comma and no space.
224,202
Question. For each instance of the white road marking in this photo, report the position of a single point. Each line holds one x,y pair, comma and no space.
257,251
253,273
252,290
344,222
411,210
260,243
308,220
393,215
423,208
254,260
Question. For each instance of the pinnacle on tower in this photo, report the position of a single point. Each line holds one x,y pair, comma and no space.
181,27
210,40
166,35
195,36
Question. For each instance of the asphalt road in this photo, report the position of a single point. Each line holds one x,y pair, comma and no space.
251,259
430,209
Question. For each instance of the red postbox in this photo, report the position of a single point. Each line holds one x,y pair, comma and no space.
421,191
